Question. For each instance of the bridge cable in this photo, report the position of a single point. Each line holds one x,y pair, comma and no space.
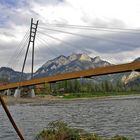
57,39
18,57
91,27
19,46
21,54
38,49
18,50
91,37
45,43
94,29
108,29
62,41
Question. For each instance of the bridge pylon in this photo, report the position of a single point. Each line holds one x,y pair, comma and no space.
32,37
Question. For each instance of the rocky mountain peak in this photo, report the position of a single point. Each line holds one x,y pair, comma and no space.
84,57
73,57
74,62
61,57
97,59
60,60
138,59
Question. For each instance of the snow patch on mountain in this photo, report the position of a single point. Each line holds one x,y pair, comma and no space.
97,59
131,77
74,62
85,57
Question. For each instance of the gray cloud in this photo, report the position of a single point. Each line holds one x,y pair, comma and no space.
122,42
16,17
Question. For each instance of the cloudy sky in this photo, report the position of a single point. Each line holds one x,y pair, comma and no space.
103,28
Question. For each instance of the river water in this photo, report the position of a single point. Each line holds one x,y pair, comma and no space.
106,117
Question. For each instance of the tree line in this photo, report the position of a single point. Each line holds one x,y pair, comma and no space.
88,86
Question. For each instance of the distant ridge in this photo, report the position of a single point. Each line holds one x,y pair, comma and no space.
74,62
10,75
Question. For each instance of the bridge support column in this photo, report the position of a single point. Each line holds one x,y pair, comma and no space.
8,92
4,92
17,93
31,93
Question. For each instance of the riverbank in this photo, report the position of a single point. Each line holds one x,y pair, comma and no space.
43,99
100,94
10,100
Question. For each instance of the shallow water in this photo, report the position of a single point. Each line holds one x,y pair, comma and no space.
106,117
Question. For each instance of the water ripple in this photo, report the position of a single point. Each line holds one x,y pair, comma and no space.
104,117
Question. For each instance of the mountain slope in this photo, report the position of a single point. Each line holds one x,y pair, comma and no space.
133,77
74,62
138,59
9,75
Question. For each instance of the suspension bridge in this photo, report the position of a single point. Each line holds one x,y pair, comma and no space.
29,40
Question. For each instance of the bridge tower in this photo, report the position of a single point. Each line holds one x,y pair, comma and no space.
31,43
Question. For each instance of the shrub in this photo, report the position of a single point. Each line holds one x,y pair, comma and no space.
59,130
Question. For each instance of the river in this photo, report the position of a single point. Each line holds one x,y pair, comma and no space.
106,117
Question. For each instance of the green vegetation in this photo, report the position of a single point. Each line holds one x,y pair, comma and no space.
97,94
60,131
87,88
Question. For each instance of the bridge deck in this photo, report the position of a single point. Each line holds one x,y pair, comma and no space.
72,75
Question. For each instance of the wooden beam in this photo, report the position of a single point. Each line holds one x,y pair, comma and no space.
11,118
134,66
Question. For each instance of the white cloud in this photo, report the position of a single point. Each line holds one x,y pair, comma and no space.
102,13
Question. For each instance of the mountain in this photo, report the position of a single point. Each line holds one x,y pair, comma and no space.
137,59
9,75
77,62
74,62
133,77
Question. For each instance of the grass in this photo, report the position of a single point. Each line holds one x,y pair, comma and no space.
98,94
61,131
